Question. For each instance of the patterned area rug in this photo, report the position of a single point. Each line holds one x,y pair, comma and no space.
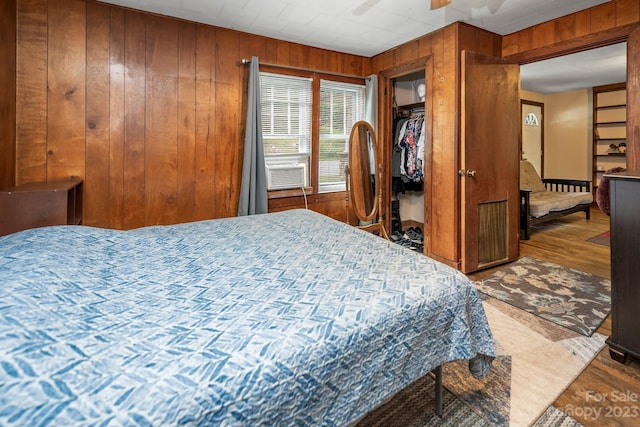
537,360
415,407
554,417
571,298
603,239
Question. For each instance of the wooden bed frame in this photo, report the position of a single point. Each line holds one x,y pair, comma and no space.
559,185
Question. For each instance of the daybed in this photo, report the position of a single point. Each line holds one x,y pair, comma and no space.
547,199
288,318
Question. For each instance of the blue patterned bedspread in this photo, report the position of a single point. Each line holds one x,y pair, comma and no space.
277,319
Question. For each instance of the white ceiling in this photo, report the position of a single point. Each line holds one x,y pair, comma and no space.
594,67
369,27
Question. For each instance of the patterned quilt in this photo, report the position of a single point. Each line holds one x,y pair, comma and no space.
277,319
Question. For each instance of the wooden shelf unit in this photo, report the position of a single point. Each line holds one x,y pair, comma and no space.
609,127
39,204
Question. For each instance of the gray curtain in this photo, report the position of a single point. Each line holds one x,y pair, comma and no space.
371,110
371,100
253,190
371,116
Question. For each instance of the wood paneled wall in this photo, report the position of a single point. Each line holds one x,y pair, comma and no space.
148,110
597,26
611,22
7,93
441,48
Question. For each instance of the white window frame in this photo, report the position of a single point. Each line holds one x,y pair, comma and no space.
347,119
309,144
300,89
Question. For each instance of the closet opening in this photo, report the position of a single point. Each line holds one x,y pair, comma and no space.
408,141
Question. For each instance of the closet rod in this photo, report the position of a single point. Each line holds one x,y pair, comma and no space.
289,67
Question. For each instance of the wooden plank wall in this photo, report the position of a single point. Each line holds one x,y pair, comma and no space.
441,226
611,22
594,27
148,110
7,93
601,25
442,47
597,26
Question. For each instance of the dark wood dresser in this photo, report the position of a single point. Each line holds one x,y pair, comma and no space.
38,204
624,194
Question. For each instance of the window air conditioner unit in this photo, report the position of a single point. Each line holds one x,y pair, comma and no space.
285,176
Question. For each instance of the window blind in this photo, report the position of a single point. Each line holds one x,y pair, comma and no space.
286,115
341,105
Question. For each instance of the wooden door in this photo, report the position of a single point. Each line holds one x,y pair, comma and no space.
489,173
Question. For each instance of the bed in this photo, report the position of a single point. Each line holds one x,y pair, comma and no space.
547,199
276,319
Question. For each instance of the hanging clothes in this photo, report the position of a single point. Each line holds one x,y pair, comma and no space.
411,144
407,162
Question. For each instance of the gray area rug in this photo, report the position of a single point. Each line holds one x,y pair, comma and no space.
554,417
571,298
537,360
415,407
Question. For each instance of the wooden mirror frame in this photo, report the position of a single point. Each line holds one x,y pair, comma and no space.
365,197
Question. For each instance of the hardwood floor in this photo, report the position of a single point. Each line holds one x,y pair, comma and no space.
607,393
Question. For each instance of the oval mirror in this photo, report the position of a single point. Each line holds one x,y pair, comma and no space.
363,171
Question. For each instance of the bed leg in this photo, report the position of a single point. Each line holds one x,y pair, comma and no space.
438,373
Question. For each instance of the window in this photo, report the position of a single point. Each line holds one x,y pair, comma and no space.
286,129
341,105
531,120
292,146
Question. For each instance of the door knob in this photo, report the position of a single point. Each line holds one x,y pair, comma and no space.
468,172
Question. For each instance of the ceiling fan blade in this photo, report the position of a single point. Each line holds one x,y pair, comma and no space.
437,4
